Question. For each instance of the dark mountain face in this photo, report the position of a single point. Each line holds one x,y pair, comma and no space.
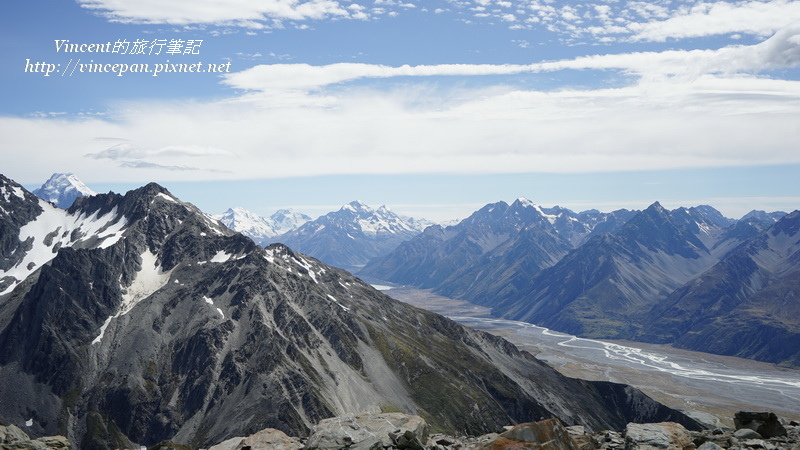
492,254
746,305
604,287
149,321
351,236
644,279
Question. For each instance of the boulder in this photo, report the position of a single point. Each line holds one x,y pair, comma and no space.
746,433
229,444
547,434
709,446
12,433
765,423
12,437
652,436
54,442
266,439
368,431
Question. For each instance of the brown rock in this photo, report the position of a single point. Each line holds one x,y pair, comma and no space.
269,439
547,434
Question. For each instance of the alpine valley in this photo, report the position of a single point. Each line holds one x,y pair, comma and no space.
688,277
132,319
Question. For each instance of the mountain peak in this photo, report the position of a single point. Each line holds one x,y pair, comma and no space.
524,202
656,206
357,206
62,189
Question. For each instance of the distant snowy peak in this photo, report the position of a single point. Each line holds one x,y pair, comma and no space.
62,189
259,228
285,220
371,221
246,222
421,224
763,216
357,206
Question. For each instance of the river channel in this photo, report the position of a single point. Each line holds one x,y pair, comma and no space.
709,387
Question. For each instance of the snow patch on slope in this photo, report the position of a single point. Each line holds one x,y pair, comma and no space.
54,229
149,279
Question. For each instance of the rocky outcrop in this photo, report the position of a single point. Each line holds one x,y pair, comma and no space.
765,424
266,439
400,431
369,431
12,437
547,434
654,436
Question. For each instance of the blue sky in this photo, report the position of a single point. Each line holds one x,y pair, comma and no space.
433,108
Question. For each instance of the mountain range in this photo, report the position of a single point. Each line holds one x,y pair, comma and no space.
492,252
689,277
262,229
131,319
625,274
353,235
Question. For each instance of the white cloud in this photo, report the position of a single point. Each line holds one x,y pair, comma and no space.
246,13
708,19
702,108
780,51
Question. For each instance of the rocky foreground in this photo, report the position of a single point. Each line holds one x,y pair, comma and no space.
753,430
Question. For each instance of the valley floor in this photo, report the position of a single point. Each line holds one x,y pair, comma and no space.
709,387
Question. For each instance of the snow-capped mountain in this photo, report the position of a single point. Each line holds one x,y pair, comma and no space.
351,236
133,319
62,189
285,220
261,229
417,224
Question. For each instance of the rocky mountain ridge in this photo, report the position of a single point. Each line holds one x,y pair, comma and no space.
493,250
132,319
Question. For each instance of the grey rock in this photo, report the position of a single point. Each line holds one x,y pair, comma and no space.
576,430
12,437
368,431
665,435
12,433
229,444
709,446
746,433
269,439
